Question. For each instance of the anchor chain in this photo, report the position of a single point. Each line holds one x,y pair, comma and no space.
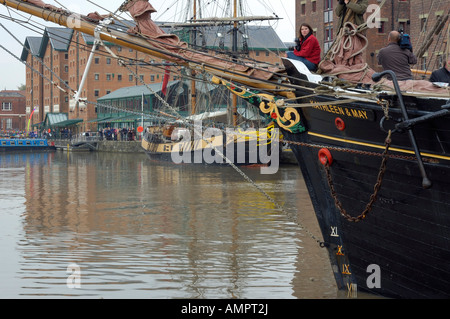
373,197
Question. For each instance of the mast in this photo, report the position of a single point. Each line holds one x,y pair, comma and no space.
234,50
447,48
193,73
234,46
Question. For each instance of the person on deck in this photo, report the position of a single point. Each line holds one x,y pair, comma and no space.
394,58
442,74
351,11
307,49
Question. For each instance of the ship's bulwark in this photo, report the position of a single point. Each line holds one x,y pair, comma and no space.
404,239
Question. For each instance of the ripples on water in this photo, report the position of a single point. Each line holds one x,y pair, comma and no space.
143,229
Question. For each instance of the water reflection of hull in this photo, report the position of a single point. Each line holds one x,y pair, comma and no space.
19,145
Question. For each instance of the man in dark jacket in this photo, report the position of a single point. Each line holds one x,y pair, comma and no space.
351,11
394,58
443,74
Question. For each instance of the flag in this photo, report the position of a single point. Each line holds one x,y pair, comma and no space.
165,80
29,120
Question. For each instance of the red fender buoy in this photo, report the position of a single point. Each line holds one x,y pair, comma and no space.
340,124
325,156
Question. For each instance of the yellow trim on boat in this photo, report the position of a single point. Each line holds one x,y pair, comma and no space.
447,158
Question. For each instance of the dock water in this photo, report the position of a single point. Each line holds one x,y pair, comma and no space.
129,227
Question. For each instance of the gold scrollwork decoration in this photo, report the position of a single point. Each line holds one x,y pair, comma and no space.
267,105
290,116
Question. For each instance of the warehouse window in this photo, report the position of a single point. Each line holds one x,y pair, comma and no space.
6,106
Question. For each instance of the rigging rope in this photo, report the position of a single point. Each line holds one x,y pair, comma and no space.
228,161
280,85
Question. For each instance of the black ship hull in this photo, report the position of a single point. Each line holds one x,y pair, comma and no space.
406,234
386,229
401,248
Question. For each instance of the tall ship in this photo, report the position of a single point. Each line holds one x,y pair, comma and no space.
374,154
235,131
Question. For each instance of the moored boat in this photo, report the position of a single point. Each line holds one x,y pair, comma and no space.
377,175
384,216
32,144
194,145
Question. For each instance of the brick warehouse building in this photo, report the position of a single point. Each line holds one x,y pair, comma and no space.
66,52
53,50
416,18
12,111
33,80
429,13
105,74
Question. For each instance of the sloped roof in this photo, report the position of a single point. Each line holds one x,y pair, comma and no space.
258,37
33,44
135,91
53,118
11,93
67,123
59,120
59,38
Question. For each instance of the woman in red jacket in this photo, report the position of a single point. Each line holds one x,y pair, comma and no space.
307,49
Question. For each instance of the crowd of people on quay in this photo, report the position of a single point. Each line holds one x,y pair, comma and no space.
47,134
13,134
118,134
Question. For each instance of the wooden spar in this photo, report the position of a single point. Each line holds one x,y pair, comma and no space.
84,26
137,43
216,21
